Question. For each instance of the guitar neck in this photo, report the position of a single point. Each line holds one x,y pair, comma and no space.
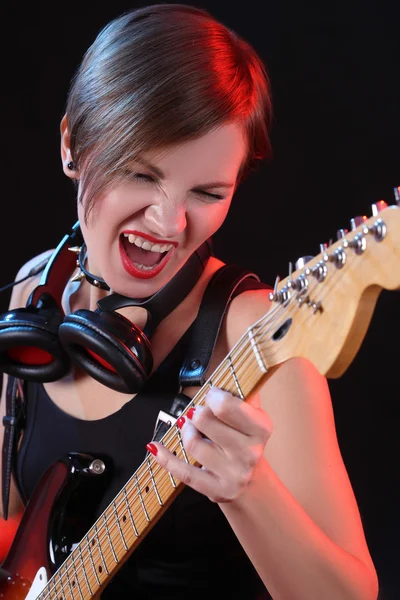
331,298
147,494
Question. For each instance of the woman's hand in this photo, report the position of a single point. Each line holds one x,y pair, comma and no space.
227,437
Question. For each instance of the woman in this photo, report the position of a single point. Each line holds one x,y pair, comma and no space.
167,113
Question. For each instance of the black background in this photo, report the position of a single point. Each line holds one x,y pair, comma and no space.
334,69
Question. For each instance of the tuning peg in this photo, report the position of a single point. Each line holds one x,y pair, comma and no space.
75,249
341,233
396,192
300,262
376,208
356,221
323,247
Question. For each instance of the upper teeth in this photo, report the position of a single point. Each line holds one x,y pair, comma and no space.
145,244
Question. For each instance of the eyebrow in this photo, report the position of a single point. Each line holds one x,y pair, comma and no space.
160,174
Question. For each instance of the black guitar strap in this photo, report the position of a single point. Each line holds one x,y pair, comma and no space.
13,425
224,285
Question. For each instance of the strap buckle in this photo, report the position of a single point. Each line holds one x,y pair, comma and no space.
9,421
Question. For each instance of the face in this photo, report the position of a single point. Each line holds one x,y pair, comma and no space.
170,201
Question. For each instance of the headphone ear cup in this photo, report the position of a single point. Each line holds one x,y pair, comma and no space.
29,345
109,347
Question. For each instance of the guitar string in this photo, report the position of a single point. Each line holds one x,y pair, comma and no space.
266,318
106,555
279,308
119,539
325,288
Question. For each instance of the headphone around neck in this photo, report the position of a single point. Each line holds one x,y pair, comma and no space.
39,341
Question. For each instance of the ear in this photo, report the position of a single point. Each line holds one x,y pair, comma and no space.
65,148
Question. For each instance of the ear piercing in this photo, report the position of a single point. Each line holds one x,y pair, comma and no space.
71,166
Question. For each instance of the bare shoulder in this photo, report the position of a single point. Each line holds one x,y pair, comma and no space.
244,311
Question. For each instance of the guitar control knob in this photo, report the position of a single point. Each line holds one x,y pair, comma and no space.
354,223
376,208
97,466
300,262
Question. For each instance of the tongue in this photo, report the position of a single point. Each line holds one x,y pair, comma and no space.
142,257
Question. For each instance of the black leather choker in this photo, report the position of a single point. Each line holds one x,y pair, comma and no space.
92,279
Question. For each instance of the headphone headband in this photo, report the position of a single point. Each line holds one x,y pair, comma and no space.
38,341
59,268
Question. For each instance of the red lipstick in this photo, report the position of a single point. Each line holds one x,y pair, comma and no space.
148,237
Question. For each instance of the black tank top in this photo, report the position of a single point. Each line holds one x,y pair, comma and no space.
192,551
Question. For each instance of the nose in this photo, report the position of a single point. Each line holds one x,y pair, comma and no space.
166,218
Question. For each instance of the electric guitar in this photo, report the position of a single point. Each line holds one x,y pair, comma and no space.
321,311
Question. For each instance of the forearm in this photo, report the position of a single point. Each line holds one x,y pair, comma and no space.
294,557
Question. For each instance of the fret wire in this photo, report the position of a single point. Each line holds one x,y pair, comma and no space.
248,380
84,570
178,431
109,538
119,526
100,548
257,352
235,379
154,483
103,556
70,587
172,481
249,373
61,581
53,582
130,513
91,560
77,579
255,348
141,498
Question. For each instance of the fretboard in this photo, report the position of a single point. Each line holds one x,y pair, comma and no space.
151,489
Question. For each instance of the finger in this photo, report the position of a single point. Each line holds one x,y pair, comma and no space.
223,436
206,453
238,414
201,480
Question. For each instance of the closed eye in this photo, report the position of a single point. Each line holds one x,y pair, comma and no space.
144,178
214,196
139,176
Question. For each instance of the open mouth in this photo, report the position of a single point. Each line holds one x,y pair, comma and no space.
142,258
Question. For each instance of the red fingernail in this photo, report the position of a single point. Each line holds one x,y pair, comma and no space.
180,422
190,412
152,448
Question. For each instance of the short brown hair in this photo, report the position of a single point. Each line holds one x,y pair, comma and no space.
157,76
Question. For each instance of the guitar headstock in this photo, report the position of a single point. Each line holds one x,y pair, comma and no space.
322,310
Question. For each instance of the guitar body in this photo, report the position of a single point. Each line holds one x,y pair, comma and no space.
330,298
54,521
